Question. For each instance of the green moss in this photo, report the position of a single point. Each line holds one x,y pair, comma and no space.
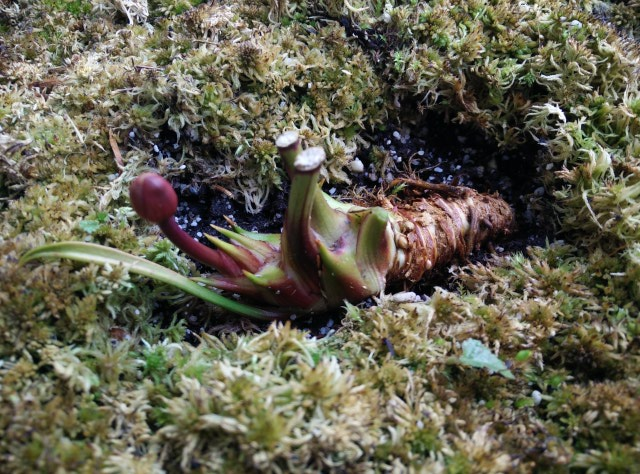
172,7
611,457
75,7
94,376
597,414
458,463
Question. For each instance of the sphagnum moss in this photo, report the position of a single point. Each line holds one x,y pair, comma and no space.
80,389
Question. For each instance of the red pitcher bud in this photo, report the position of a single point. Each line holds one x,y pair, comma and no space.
153,198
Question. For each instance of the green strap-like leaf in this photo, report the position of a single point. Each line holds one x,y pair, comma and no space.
93,253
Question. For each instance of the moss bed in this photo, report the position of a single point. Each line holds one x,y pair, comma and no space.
102,371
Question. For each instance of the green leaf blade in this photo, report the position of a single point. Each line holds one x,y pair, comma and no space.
476,354
93,253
